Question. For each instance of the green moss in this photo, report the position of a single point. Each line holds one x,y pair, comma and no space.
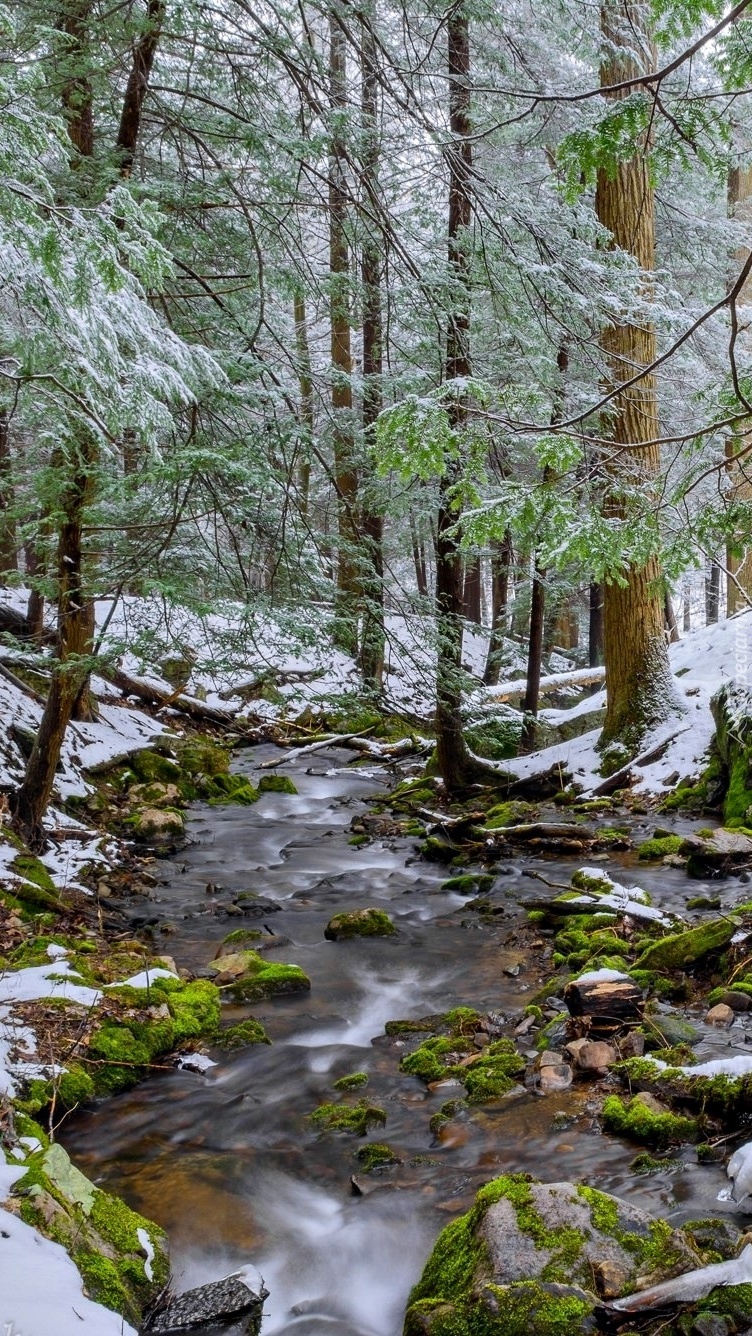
462,1020
375,1157
37,889
228,788
264,978
194,1007
449,1110
359,923
103,1283
74,1086
150,766
352,1082
243,1035
657,848
645,1163
591,881
654,1251
469,883
241,937
639,1123
513,813
681,949
118,1225
276,784
356,1119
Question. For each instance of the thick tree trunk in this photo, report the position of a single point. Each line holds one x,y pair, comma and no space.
501,561
454,761
8,539
639,686
371,658
345,476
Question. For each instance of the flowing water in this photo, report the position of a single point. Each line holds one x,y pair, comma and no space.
228,1162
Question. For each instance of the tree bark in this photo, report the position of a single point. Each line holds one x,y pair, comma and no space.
455,764
639,686
713,593
534,660
419,558
738,549
8,538
131,115
501,561
371,657
305,381
345,476
595,626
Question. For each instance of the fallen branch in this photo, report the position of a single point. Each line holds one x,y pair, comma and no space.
534,830
452,822
254,686
21,685
579,677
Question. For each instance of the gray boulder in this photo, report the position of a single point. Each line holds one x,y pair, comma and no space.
236,1297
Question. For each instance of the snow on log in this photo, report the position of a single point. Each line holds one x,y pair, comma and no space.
579,677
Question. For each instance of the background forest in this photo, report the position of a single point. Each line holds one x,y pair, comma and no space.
415,315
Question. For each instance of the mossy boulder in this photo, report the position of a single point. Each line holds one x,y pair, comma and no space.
486,1074
158,826
276,784
153,767
242,1035
376,1157
651,851
359,923
469,883
681,949
155,795
524,1260
248,977
731,707
646,1120
122,1257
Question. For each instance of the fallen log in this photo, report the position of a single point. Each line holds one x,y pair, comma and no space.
154,695
535,830
579,677
253,687
21,686
622,777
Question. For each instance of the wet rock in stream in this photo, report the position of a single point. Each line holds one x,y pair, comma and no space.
236,1297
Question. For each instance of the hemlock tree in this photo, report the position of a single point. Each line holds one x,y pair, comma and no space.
639,686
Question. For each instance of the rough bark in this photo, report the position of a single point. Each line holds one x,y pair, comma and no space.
595,626
419,558
76,91
472,594
371,658
345,476
639,686
712,593
534,659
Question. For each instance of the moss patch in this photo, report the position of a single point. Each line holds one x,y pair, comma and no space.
357,1119
681,949
638,1122
276,784
359,923
659,847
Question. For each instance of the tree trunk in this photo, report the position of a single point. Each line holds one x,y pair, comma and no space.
595,626
472,592
305,381
144,51
371,657
639,686
8,539
738,549
419,558
345,476
455,764
713,593
672,630
501,561
534,660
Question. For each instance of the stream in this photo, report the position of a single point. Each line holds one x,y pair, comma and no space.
228,1162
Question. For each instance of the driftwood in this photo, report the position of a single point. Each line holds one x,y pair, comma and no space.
579,677
451,822
357,742
154,695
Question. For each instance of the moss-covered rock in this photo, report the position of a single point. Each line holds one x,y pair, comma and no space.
643,1119
376,1157
355,1081
276,784
357,1119
242,1035
522,1261
469,883
158,826
486,1074
359,923
679,950
659,847
249,977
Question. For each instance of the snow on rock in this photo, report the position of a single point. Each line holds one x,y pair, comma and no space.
54,980
601,976
739,1170
148,1247
42,1291
144,979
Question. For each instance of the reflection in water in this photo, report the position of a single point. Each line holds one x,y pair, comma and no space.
230,1163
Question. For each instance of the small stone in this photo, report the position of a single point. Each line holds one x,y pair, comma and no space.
737,1001
480,1039
512,970
103,890
550,1059
555,1078
525,1026
632,1045
596,1056
720,1015
610,1279
710,1324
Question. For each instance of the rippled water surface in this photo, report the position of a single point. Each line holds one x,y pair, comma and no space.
228,1162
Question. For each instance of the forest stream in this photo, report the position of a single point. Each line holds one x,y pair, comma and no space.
228,1162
